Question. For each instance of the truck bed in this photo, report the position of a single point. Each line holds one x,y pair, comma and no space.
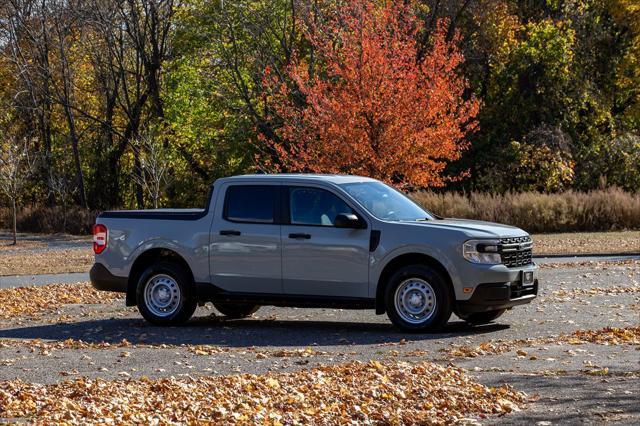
159,214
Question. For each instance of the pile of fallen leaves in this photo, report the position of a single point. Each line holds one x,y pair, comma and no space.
604,336
260,354
46,347
38,300
374,392
596,291
607,336
486,348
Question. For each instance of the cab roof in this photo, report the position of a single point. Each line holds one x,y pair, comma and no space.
280,177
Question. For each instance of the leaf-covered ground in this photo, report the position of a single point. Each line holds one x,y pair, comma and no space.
375,392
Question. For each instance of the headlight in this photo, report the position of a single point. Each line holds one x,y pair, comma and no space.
482,251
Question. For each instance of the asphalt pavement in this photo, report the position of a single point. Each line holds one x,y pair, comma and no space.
559,378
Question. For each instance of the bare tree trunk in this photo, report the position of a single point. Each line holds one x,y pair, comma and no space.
63,29
77,164
15,221
73,134
137,170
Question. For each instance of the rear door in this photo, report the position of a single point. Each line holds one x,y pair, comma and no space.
245,240
318,258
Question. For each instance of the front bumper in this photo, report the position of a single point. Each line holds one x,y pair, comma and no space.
102,279
494,296
499,287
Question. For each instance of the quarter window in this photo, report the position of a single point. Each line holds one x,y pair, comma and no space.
313,206
251,203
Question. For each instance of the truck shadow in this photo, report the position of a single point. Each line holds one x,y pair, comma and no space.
238,333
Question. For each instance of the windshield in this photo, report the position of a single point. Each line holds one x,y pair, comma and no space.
385,202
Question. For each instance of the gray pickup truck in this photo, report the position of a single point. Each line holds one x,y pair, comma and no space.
312,241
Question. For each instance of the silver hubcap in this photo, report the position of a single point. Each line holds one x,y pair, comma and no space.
162,295
415,300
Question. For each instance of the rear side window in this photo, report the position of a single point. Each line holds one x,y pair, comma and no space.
251,203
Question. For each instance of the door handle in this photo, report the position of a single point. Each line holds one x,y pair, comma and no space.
229,232
300,236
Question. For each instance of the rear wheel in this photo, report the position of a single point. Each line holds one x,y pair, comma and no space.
480,318
418,299
165,294
236,310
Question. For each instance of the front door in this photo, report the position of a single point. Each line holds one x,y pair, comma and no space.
318,258
245,242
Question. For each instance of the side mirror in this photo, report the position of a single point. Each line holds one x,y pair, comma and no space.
348,220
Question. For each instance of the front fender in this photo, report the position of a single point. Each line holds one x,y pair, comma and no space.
380,262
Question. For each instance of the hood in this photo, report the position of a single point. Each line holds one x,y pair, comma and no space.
475,228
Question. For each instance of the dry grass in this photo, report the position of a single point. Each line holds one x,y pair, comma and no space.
587,242
18,261
604,210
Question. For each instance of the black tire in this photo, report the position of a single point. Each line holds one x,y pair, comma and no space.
236,310
179,285
441,296
479,318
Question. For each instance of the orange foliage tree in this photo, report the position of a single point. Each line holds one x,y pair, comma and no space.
368,105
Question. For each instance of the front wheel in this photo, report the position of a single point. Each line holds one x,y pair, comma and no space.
480,318
165,294
236,310
418,299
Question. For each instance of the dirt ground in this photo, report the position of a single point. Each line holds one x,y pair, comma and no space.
587,243
44,254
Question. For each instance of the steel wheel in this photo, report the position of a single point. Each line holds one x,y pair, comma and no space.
415,300
162,295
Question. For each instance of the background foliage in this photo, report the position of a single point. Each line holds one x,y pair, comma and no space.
558,84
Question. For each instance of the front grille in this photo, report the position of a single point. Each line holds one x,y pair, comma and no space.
514,259
516,251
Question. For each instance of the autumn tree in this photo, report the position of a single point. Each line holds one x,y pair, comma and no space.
371,106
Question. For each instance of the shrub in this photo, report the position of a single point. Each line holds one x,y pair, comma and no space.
570,211
541,161
50,220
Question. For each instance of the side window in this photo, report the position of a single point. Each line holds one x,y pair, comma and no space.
251,203
313,206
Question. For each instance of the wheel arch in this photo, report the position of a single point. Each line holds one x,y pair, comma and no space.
414,258
147,258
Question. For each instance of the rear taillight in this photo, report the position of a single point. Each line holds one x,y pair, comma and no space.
99,238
